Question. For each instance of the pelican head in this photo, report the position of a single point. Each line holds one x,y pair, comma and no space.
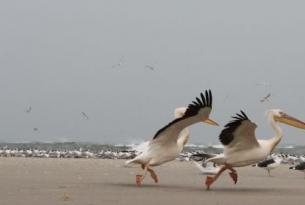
280,116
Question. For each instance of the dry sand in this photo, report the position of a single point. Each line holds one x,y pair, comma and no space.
26,181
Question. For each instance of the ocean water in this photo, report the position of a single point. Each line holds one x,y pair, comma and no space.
96,148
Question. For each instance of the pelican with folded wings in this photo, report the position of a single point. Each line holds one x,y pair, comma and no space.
241,148
166,143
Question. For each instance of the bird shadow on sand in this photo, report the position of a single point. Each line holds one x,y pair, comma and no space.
156,186
260,190
228,190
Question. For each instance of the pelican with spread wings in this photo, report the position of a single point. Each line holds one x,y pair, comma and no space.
166,143
241,148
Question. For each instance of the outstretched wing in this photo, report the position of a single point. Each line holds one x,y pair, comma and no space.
239,134
171,131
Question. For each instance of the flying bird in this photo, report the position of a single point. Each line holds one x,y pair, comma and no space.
166,143
241,148
28,110
85,115
150,67
119,63
35,129
143,147
264,84
266,98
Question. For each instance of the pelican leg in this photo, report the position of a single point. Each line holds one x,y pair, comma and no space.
233,173
139,177
153,175
210,180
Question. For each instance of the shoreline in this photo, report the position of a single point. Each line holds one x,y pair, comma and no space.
104,181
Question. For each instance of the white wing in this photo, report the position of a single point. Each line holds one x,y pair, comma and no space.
196,111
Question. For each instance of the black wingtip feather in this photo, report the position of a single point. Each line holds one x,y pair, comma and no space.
211,97
208,97
202,99
205,101
199,101
244,114
226,136
192,109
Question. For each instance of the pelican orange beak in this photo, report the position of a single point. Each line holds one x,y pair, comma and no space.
211,122
288,120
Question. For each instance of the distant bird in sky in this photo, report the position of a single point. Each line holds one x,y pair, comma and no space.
264,84
119,64
150,67
28,110
35,129
85,115
266,98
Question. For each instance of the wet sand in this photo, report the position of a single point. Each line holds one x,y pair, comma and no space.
29,181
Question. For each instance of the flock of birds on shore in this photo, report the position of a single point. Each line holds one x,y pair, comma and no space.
198,157
272,162
122,154
36,153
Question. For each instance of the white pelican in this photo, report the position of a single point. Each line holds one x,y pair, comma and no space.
270,164
241,148
166,143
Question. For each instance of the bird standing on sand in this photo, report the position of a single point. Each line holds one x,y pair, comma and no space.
270,164
299,167
241,148
207,168
166,143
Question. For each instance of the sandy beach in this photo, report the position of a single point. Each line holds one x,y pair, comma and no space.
31,181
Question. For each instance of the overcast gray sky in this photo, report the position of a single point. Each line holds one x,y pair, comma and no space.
67,57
